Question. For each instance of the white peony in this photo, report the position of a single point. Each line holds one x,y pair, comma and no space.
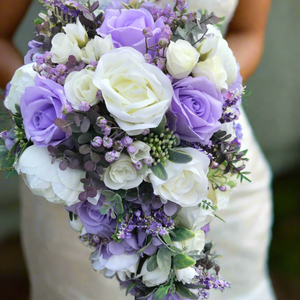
153,278
122,175
186,275
137,94
181,59
79,87
124,264
218,63
62,47
143,151
97,47
22,78
77,33
194,217
47,180
187,184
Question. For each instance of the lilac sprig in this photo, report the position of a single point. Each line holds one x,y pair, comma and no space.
156,224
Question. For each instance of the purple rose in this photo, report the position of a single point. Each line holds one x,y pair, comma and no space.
197,108
40,106
126,28
92,220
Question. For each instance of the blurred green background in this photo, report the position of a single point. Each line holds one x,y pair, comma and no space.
274,112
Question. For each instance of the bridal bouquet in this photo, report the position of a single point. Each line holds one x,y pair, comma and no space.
128,117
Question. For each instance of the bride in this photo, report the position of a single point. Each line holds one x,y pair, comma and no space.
58,263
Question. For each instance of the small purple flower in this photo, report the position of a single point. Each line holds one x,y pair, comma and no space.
214,165
107,142
101,122
40,106
148,58
106,130
111,156
60,70
97,141
33,52
66,108
39,59
131,149
147,32
118,146
163,42
9,138
47,56
222,188
138,165
84,106
161,63
148,161
126,141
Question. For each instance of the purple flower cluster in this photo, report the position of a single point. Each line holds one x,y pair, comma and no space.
158,223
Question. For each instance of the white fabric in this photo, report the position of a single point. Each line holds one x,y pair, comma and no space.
58,263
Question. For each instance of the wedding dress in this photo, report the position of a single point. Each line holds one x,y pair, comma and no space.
58,262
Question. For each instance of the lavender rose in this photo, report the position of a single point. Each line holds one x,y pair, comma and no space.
197,107
126,28
92,220
40,106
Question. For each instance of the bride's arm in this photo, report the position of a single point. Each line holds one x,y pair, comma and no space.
12,13
246,34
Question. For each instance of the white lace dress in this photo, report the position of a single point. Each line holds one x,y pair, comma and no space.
58,263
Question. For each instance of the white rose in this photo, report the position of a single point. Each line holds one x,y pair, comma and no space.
187,184
77,33
124,263
47,180
213,70
79,87
219,65
137,94
63,47
153,278
122,175
229,128
186,275
76,224
194,217
181,58
197,243
96,47
142,151
22,78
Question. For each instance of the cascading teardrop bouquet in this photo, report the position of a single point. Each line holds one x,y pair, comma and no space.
128,115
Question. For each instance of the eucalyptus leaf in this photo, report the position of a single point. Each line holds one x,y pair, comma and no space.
104,210
117,198
182,234
152,263
167,239
85,138
119,208
179,157
182,261
184,293
160,171
164,260
130,287
161,293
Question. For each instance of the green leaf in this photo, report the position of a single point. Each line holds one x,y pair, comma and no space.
182,234
122,193
184,293
164,260
130,287
179,157
194,286
167,239
119,208
182,261
161,293
219,217
149,239
85,138
109,195
117,198
161,127
104,210
159,171
71,216
143,169
19,121
152,263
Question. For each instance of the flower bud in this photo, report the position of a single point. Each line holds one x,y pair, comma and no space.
107,142
101,122
84,106
126,141
66,108
163,42
138,165
131,149
147,32
97,141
